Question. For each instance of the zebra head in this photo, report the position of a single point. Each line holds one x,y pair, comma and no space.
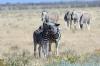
51,27
45,17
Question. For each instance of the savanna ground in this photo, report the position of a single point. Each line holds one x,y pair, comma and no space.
17,27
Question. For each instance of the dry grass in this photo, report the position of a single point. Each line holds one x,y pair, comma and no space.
16,29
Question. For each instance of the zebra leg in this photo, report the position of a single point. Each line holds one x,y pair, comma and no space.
78,25
39,50
57,46
81,26
50,49
43,50
35,49
88,25
70,24
47,49
75,23
66,24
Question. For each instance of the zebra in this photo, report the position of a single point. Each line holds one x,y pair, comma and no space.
68,19
42,37
44,16
85,21
54,36
49,17
75,17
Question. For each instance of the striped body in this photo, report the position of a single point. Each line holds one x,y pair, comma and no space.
46,34
49,17
85,21
41,38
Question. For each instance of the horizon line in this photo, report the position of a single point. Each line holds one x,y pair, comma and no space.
47,2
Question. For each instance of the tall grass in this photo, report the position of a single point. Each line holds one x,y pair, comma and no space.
19,58
67,58
71,59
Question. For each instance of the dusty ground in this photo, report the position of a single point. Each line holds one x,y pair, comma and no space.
17,26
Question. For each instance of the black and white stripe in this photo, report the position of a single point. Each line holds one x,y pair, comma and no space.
47,33
68,19
85,21
42,39
44,16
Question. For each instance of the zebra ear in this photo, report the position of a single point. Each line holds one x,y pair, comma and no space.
57,24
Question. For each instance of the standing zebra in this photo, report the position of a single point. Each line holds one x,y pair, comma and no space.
68,19
49,17
42,36
44,16
75,17
54,36
85,21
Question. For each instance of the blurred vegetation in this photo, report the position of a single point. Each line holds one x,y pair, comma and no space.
2,62
66,58
70,58
18,58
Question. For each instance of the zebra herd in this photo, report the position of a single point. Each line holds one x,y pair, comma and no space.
45,35
49,31
74,18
